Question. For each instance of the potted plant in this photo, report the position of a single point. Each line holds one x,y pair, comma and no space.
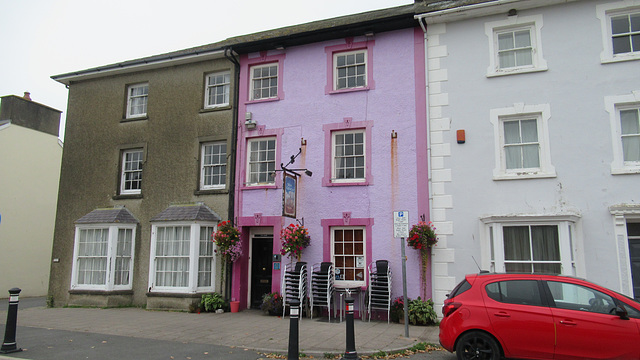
421,312
294,239
397,310
422,237
272,303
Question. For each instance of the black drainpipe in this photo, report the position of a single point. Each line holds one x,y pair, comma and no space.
228,53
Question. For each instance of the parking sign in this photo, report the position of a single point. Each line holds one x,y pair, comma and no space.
400,224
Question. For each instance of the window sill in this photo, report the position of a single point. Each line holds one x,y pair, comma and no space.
342,91
215,108
258,187
77,291
354,183
127,196
262,100
626,170
620,58
499,73
184,294
137,118
524,176
211,192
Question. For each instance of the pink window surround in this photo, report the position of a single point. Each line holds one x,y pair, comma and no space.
349,46
346,221
260,132
265,59
347,124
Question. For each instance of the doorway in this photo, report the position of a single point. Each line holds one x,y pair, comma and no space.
261,262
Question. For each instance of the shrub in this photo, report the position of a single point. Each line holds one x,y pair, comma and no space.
422,312
212,302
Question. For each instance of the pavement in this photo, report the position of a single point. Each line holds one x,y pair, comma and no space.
249,331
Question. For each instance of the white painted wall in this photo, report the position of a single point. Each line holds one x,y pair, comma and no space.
29,175
574,88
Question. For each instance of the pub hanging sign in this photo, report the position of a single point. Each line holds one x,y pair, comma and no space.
289,194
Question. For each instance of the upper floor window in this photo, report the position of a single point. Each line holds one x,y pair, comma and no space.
349,155
350,69
217,89
261,161
515,45
624,118
213,165
620,24
131,171
522,145
264,81
625,33
137,96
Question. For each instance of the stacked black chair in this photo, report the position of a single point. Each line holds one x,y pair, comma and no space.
294,284
322,286
379,287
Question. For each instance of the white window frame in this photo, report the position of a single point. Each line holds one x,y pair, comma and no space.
252,89
364,261
212,90
334,170
605,12
492,243
193,256
336,71
621,215
271,179
515,23
613,105
111,257
124,171
542,114
204,165
131,97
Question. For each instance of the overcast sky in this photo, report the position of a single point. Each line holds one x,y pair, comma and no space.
41,38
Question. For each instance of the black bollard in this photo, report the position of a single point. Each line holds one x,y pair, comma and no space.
350,352
9,344
294,321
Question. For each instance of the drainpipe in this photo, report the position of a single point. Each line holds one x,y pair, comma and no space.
228,53
423,25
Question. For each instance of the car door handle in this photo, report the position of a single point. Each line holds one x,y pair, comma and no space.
568,322
502,314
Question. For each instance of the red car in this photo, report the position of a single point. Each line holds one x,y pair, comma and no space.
531,316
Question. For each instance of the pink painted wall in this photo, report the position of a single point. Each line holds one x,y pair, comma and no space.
305,110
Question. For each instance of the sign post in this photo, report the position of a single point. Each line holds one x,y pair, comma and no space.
401,230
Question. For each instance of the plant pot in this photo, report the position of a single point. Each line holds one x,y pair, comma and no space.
235,306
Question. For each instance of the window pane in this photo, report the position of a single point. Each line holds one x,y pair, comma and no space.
505,41
577,297
631,148
529,130
530,156
512,132
513,157
620,24
629,121
621,45
522,39
544,242
524,57
516,243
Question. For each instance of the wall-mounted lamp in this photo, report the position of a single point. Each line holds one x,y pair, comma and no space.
512,12
248,120
303,141
394,134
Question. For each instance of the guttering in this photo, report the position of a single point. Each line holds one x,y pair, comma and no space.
483,9
148,63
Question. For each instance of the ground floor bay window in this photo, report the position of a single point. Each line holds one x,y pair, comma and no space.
530,244
182,258
103,250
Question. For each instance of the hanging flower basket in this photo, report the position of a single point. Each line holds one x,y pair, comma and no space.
294,239
228,243
422,237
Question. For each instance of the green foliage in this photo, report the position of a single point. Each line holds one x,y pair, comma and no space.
212,302
422,312
50,301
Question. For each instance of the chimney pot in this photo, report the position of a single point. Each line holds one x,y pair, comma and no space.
27,95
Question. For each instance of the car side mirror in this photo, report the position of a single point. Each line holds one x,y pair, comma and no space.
622,312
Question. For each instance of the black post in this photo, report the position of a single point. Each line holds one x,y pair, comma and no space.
294,320
350,352
9,344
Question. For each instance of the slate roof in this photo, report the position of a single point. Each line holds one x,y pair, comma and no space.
187,212
108,215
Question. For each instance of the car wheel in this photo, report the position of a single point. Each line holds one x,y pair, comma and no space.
477,345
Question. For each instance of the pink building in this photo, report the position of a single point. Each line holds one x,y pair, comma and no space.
346,103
